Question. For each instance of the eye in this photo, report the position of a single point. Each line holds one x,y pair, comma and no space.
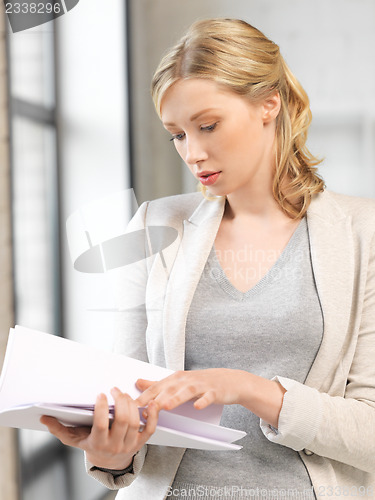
178,137
209,128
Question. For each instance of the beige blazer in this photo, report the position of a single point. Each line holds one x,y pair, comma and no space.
329,420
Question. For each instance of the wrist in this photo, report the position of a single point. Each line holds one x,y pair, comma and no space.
262,396
246,388
114,464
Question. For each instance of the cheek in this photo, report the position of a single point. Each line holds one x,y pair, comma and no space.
251,138
180,149
239,144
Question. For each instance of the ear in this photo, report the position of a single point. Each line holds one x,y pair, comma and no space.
271,108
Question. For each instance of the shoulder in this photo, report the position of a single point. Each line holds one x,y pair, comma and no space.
333,207
355,205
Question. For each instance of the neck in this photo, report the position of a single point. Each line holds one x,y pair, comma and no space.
258,203
255,200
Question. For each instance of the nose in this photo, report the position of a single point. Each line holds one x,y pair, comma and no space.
195,151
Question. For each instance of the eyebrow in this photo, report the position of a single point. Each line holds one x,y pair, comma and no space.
194,117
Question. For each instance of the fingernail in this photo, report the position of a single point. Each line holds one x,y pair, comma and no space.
115,390
144,414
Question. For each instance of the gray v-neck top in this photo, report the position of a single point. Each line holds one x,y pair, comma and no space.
275,328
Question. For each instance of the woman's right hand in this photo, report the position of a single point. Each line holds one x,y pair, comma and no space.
109,447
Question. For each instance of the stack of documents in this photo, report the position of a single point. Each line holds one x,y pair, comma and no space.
48,375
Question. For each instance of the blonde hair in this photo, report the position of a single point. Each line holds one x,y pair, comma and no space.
233,53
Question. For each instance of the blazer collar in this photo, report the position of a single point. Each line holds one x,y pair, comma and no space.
207,209
325,207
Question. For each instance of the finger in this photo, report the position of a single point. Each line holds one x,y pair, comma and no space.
205,400
151,423
144,384
51,423
164,392
121,419
100,427
132,435
149,393
174,396
71,436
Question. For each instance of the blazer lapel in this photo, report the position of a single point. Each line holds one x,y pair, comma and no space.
332,254
197,240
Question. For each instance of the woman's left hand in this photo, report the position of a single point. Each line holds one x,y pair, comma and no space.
261,396
213,385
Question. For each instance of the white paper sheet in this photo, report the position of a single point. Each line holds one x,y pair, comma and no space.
41,371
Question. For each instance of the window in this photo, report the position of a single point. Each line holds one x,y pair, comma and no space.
35,202
48,186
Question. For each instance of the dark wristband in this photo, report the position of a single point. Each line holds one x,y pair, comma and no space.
115,472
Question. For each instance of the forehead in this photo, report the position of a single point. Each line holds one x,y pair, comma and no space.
191,96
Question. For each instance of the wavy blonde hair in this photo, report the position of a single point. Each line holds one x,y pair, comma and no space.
241,58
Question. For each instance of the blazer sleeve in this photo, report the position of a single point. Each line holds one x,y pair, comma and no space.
130,327
339,428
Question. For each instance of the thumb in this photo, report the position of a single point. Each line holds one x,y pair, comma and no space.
52,423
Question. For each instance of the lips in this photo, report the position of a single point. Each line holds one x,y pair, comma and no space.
208,178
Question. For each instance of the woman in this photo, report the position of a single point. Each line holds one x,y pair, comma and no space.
268,303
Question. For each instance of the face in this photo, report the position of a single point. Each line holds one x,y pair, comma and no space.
226,141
